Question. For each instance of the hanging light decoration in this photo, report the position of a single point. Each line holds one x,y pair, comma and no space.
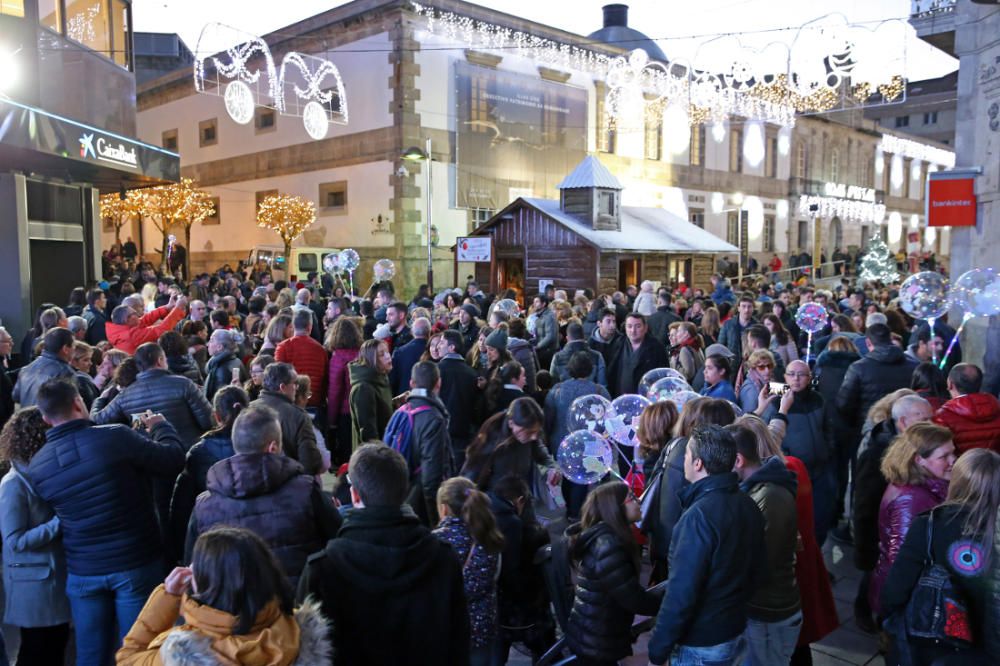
719,131
781,208
915,170
914,221
930,236
879,162
676,128
896,171
718,202
755,216
895,226
753,143
784,140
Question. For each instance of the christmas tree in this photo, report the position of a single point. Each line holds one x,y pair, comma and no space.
878,264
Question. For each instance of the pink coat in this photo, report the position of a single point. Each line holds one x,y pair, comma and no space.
338,385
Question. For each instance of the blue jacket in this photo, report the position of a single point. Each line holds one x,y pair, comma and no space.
403,360
723,293
722,390
716,557
95,477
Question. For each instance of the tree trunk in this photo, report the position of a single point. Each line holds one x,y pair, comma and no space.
118,232
164,266
288,260
187,252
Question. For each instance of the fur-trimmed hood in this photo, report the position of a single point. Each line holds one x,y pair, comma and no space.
193,648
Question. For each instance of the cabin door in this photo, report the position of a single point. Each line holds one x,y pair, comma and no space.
628,273
510,275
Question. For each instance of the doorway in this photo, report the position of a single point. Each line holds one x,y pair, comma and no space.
628,273
510,275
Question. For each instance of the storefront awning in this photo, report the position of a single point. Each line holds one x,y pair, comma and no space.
36,141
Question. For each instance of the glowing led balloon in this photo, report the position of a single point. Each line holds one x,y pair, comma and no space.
585,457
622,422
385,270
349,260
811,317
667,388
331,263
977,292
588,412
924,295
508,306
682,398
655,375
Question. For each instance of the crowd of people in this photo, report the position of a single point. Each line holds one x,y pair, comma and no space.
167,446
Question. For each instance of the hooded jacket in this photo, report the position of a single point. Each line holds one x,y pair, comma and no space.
392,590
561,360
185,366
128,338
371,403
607,597
773,487
298,439
871,378
524,353
270,495
831,369
191,482
546,333
605,348
974,421
206,638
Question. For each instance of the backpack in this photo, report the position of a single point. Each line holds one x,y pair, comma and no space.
399,434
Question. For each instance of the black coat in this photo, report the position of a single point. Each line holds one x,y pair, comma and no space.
431,447
392,591
808,436
6,396
191,483
607,596
96,321
185,367
869,486
627,367
716,558
660,321
403,360
219,372
298,440
460,396
831,368
878,374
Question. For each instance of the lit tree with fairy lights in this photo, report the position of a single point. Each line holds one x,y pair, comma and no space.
288,216
119,210
176,204
878,264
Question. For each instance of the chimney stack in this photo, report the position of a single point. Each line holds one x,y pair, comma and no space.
615,16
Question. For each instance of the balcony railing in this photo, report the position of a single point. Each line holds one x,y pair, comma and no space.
929,8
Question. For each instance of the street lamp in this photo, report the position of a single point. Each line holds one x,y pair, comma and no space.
415,154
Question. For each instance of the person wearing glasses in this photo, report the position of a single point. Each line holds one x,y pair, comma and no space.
755,389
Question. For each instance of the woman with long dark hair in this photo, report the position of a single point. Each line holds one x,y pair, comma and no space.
930,384
237,607
468,526
343,341
505,387
782,342
608,594
370,398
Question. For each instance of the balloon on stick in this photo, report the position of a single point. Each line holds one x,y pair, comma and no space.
977,293
585,457
655,375
811,318
924,295
666,388
622,421
349,261
385,270
588,412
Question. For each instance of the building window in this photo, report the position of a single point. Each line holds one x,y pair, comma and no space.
696,216
169,140
217,217
605,133
50,14
479,107
803,235
264,119
120,44
333,198
259,197
696,150
87,23
930,118
208,132
771,157
906,178
12,8
607,202
866,234
802,162
736,151
769,226
886,171
902,121
733,228
654,138
835,165
480,216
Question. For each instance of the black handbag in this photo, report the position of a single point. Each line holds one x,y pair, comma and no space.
937,609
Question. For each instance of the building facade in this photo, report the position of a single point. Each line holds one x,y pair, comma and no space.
502,126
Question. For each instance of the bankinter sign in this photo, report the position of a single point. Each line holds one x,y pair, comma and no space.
951,202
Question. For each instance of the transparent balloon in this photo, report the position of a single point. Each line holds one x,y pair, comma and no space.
585,457
331,263
666,388
171,239
507,306
349,260
622,422
977,292
588,413
924,295
384,270
655,375
811,317
682,398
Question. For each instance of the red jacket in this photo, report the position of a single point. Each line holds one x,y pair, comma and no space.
974,420
128,338
338,380
309,358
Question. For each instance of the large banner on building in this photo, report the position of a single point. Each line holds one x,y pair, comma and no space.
518,135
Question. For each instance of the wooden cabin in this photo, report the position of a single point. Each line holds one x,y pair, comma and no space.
588,239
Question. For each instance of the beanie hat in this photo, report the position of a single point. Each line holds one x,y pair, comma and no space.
471,309
497,339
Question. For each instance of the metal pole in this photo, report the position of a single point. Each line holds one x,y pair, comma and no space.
429,162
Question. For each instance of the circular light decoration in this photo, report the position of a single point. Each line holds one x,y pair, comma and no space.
781,208
896,171
915,170
784,140
930,236
239,102
895,227
737,198
914,221
315,121
718,202
718,131
755,216
879,162
677,128
753,144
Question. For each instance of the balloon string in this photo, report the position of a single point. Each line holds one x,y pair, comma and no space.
954,339
809,344
930,322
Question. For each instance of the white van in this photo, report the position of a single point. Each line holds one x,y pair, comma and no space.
304,260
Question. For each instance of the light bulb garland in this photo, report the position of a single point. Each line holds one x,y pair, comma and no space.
286,215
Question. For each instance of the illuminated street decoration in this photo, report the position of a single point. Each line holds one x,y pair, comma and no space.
246,76
848,202
915,150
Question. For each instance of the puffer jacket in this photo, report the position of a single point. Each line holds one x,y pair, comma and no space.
206,638
97,320
219,372
607,596
309,358
190,483
371,403
900,506
974,421
338,384
178,398
31,377
878,374
430,445
96,478
128,338
185,367
561,360
298,439
524,354
808,436
831,369
546,334
270,495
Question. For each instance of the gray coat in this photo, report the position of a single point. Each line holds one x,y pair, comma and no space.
32,376
546,332
178,398
561,360
34,565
